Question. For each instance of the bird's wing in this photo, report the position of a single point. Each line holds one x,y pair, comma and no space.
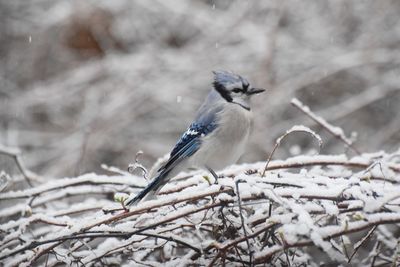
190,141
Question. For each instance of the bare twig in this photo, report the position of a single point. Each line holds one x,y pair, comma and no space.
335,131
16,155
174,239
224,248
242,222
44,251
362,242
376,247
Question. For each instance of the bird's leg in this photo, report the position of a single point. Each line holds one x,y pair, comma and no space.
213,174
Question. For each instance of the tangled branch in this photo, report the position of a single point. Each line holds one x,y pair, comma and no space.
261,221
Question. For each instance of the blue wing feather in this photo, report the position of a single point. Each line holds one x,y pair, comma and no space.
195,131
189,143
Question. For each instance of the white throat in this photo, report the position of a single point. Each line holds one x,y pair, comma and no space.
243,102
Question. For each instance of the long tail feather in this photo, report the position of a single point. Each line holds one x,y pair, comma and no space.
149,191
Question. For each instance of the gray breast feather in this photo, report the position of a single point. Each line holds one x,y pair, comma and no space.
227,142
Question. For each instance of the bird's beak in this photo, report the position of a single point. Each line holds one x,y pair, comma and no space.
254,91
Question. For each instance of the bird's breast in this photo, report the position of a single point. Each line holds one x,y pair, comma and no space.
235,122
227,142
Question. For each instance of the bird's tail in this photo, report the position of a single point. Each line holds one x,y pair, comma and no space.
150,190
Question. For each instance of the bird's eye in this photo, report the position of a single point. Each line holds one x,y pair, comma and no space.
237,90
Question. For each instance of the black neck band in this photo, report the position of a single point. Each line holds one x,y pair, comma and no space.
246,108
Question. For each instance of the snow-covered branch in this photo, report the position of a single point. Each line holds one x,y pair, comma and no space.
304,202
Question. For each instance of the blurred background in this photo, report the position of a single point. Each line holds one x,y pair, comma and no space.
89,82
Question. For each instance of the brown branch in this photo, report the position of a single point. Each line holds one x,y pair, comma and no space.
43,252
50,223
158,204
171,238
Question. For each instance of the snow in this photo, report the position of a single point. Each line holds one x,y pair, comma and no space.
309,198
301,128
89,178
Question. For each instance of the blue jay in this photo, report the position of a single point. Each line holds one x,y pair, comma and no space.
216,138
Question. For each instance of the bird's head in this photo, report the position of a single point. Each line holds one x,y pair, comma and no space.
234,88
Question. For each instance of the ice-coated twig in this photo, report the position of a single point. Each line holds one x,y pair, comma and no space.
137,165
334,130
294,129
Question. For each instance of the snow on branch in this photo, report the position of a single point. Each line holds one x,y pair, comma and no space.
332,204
